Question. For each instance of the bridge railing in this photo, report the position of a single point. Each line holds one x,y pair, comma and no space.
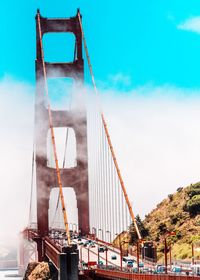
113,274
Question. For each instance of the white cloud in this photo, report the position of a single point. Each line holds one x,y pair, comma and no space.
16,125
154,130
119,79
192,24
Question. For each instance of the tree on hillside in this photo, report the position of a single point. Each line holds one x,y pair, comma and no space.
193,190
143,230
162,228
193,205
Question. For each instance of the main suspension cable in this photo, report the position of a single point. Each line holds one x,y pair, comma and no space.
107,133
52,134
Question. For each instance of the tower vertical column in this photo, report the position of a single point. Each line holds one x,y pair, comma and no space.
76,177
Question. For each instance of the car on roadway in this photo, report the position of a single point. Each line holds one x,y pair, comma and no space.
126,259
141,264
113,257
160,269
176,269
146,270
100,263
129,264
101,249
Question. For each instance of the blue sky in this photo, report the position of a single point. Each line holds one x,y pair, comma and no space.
139,39
145,55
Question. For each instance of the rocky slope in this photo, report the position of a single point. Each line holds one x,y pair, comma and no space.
180,213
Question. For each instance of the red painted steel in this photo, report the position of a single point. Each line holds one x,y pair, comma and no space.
52,253
76,177
112,274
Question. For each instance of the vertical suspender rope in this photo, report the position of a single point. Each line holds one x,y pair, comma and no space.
63,165
31,197
108,135
52,134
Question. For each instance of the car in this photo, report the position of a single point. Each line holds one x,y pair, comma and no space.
92,245
145,270
101,249
79,239
111,267
126,259
113,257
100,262
84,263
129,264
141,264
160,269
176,269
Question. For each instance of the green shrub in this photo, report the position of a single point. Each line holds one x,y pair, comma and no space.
178,234
174,220
191,192
170,196
179,189
197,223
193,205
143,230
194,190
162,228
195,186
195,238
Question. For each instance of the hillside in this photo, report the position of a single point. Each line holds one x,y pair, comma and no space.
180,213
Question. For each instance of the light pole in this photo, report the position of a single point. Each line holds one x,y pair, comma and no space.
101,233
98,257
170,256
138,255
171,233
94,231
192,254
81,256
106,256
107,231
88,254
165,250
120,249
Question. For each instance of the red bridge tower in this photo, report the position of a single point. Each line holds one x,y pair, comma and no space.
76,177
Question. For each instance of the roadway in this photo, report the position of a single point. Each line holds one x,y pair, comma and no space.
90,254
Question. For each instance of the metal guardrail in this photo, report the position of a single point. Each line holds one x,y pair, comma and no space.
112,274
52,253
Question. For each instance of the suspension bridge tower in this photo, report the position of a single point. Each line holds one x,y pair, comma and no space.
75,177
